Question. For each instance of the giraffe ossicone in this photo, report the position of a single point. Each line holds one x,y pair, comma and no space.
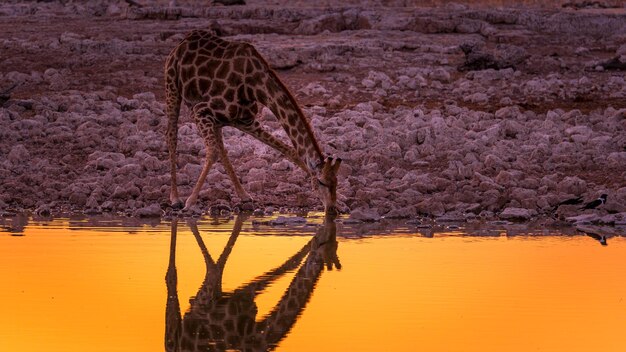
222,82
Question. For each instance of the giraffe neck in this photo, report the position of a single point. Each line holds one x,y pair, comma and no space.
277,97
282,318
280,321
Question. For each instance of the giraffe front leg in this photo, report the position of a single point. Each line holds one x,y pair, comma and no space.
193,198
257,131
247,203
209,133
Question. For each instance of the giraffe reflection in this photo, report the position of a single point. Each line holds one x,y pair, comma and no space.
218,321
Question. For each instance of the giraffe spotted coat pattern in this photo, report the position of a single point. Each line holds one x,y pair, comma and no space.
222,82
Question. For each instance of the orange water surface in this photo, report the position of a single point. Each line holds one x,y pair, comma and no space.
72,286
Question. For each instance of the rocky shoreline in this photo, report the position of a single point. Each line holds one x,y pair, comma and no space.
438,112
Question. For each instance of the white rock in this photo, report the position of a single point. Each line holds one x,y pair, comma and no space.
192,170
493,162
583,219
129,169
477,98
581,50
508,112
506,178
401,213
407,82
516,214
617,160
365,214
368,83
584,130
152,210
431,206
145,96
19,155
440,75
613,219
126,191
572,185
282,165
314,88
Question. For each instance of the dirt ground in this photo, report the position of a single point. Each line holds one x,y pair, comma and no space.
448,110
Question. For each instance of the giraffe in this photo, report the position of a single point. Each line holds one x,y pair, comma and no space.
222,82
219,321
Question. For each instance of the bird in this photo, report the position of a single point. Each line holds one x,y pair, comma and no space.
571,201
596,203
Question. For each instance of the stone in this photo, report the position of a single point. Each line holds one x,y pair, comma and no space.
129,170
92,202
493,162
617,160
314,88
108,206
451,217
43,210
401,213
572,185
512,213
145,96
365,214
368,83
19,155
126,191
430,207
150,211
282,165
583,219
78,198
618,219
440,75
279,221
506,179
296,220
526,197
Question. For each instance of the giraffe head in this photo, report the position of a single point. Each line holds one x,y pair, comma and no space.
324,244
325,181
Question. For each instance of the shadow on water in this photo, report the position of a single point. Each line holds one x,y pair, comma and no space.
17,224
219,320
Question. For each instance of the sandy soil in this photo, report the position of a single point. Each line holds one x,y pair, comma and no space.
448,110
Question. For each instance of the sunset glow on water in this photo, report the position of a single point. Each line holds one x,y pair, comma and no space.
68,286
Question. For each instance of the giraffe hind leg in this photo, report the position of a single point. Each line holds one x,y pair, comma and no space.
212,134
173,100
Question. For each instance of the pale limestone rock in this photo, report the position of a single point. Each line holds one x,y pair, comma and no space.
152,210
517,214
365,214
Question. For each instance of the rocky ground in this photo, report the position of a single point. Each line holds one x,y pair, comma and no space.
446,111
